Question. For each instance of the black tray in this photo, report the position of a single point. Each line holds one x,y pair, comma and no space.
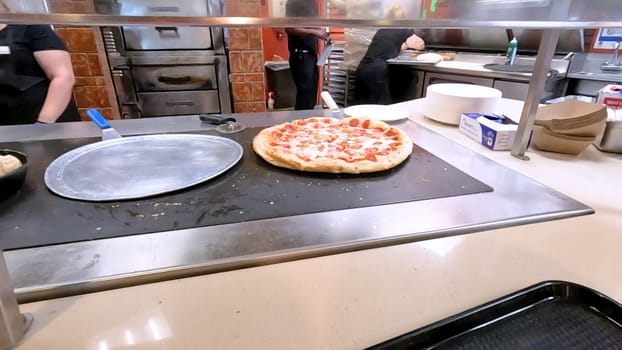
550,315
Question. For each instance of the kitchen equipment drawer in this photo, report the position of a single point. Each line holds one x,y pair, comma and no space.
155,104
166,37
167,78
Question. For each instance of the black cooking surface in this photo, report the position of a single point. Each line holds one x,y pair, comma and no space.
251,190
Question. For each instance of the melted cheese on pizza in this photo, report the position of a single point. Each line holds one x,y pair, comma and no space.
350,141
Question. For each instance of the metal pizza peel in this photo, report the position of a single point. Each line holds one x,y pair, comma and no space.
332,105
328,48
122,168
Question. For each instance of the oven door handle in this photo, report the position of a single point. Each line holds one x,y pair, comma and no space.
180,103
164,30
175,80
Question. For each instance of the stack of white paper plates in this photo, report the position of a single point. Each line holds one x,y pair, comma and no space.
377,112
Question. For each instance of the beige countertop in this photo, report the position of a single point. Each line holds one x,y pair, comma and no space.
353,300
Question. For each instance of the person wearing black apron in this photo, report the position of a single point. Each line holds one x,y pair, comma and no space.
372,84
303,49
36,76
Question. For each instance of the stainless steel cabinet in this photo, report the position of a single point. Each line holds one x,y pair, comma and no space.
512,89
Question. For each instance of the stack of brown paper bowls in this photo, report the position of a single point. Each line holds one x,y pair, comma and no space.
568,127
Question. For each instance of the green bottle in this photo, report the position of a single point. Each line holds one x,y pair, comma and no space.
510,55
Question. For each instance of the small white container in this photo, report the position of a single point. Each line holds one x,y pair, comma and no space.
445,103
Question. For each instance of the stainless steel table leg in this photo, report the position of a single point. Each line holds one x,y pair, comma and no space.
13,325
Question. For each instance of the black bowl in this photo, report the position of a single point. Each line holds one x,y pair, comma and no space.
13,181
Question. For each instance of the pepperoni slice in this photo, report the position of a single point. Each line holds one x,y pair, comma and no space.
303,157
354,122
289,128
391,132
370,156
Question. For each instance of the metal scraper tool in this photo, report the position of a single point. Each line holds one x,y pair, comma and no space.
332,105
328,48
107,131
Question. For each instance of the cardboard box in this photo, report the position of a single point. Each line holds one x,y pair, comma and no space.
491,130
611,96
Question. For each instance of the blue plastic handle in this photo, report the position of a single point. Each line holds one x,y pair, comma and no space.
98,118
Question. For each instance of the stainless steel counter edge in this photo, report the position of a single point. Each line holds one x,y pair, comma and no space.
607,77
473,64
68,269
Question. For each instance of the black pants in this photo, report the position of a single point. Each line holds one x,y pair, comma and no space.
23,107
403,82
303,66
372,82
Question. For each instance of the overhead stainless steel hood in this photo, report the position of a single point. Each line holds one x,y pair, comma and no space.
536,14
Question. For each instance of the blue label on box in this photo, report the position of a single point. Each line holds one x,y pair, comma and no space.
488,136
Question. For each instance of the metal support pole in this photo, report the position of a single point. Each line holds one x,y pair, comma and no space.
13,325
534,94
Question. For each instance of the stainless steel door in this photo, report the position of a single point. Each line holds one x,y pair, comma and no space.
171,78
166,37
419,87
512,89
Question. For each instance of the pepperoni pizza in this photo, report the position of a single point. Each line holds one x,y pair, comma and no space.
321,144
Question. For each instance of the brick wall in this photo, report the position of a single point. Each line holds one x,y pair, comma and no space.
246,59
94,87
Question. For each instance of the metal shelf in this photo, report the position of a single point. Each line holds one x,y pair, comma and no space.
283,22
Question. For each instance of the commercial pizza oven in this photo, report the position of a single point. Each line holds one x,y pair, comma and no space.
167,70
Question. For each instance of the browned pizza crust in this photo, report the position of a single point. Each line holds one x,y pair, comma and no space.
275,156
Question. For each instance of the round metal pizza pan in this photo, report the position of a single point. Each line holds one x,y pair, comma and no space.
140,166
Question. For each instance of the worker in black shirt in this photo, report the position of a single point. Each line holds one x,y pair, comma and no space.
372,74
36,75
303,49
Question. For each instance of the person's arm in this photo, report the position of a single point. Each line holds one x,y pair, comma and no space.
57,66
414,42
